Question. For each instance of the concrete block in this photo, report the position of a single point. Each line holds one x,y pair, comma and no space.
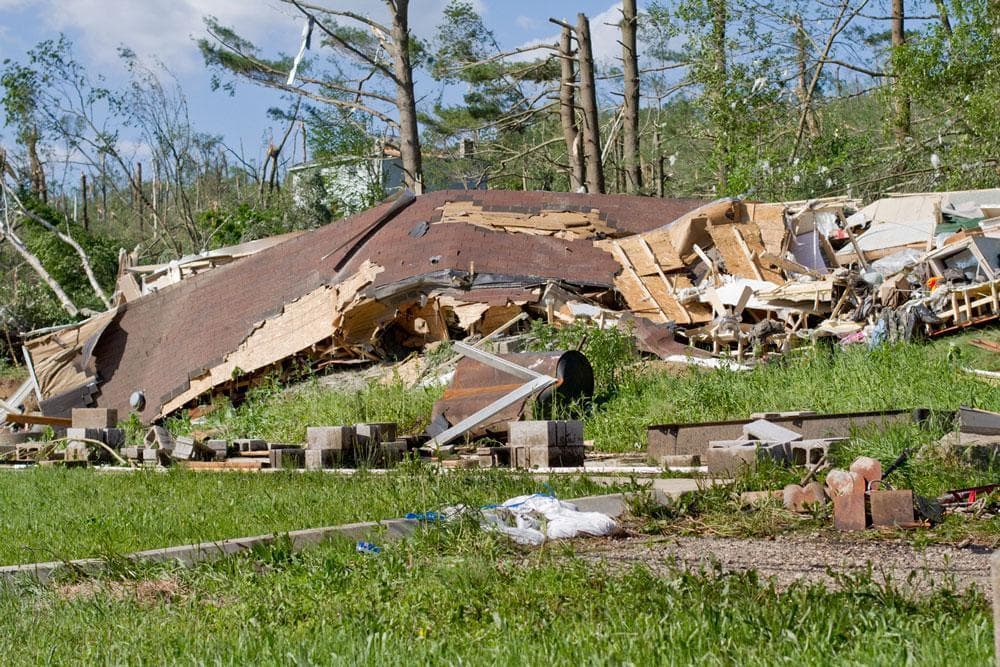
287,459
183,449
573,434
159,437
532,433
393,452
251,445
219,449
681,460
892,508
114,437
849,512
341,438
808,452
321,459
769,432
94,418
375,432
78,434
730,461
76,452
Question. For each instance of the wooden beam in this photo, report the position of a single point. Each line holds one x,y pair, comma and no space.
628,266
40,420
666,283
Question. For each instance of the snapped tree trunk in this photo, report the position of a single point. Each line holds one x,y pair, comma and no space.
901,99
588,102
406,101
35,169
567,110
630,70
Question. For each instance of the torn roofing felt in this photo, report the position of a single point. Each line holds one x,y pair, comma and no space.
331,290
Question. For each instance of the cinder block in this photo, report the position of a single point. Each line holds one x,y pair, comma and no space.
219,449
375,432
321,459
770,432
114,437
183,449
808,452
892,508
287,459
393,452
532,433
76,452
94,418
76,434
341,438
251,445
681,460
541,456
730,461
157,436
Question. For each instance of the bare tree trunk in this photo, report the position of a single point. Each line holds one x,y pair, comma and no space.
719,20
138,193
630,58
588,102
406,102
805,103
65,238
35,169
567,110
901,99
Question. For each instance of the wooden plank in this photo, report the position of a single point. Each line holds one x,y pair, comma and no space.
223,465
985,344
40,420
788,265
749,255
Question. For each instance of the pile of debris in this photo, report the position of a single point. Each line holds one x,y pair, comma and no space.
732,278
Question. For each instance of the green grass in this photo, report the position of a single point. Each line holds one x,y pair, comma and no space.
891,377
460,597
51,514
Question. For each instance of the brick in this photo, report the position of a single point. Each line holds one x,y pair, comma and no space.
94,418
341,438
757,497
770,432
321,459
840,483
794,498
870,469
849,512
816,492
287,458
892,508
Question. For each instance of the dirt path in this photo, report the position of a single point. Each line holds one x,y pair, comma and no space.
792,558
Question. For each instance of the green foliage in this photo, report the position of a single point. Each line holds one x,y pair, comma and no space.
242,222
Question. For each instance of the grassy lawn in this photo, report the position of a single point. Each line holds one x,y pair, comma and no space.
461,597
52,514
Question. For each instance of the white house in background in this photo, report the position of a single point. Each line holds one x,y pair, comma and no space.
351,184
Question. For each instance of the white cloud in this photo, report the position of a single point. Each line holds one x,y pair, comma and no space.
604,35
527,23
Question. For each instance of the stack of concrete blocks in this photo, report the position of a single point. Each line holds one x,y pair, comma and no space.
329,446
95,425
761,440
546,444
251,446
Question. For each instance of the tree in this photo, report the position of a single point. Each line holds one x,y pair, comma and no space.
630,59
358,59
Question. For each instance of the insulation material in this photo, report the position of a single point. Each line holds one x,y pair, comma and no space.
62,360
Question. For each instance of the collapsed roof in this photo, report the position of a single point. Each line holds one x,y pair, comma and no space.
408,269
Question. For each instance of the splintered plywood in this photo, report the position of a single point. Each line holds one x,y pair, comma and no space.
770,220
740,245
653,300
564,224
61,360
300,325
664,255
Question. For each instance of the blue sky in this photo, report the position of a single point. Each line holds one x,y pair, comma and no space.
167,29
